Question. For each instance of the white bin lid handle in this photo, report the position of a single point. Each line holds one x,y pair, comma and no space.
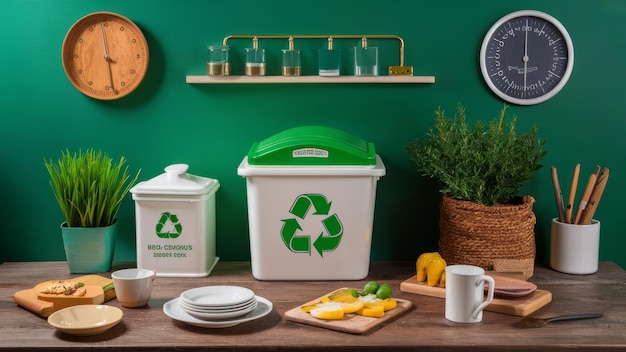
175,170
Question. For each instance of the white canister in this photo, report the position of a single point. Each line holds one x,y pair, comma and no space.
175,221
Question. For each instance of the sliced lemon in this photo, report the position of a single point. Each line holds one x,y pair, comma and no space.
352,307
308,308
350,304
328,311
389,304
375,311
351,292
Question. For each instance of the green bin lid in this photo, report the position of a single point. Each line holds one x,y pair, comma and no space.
312,146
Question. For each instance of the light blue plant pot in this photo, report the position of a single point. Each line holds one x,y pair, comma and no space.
89,249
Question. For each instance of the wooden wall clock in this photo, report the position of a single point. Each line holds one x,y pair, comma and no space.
105,55
526,57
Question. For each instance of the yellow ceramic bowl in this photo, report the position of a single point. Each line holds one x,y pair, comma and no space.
84,320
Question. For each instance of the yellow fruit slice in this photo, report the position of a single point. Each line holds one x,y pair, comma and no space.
352,307
344,299
350,304
308,308
436,268
375,311
387,304
442,281
329,311
421,265
350,292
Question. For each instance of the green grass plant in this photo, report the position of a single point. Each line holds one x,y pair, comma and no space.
482,163
89,186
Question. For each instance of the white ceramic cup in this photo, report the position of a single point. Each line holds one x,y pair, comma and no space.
133,287
465,290
574,249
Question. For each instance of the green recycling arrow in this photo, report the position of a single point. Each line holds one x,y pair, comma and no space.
298,244
165,217
335,232
303,203
302,243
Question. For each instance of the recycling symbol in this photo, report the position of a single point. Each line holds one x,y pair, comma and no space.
173,228
294,236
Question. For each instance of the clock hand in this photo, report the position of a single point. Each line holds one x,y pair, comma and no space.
525,58
106,57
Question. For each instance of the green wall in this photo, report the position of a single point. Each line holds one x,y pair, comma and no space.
211,127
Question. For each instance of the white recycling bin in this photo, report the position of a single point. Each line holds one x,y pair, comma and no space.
175,221
311,192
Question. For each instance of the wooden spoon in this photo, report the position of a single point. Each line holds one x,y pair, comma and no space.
534,322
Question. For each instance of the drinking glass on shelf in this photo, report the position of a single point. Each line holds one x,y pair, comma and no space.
291,61
217,61
329,60
365,60
255,62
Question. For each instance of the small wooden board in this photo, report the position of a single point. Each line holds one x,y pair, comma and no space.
351,323
521,306
29,299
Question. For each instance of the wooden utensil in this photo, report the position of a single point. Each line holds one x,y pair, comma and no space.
585,198
594,198
535,322
572,195
558,196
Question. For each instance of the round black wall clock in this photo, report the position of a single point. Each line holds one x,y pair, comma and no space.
526,57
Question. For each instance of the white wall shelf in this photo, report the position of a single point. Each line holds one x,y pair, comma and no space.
206,79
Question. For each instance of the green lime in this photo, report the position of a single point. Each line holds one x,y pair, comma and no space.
370,287
353,292
384,291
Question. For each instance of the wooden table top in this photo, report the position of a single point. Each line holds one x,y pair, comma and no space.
422,328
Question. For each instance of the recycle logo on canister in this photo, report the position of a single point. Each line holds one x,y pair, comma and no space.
297,239
168,226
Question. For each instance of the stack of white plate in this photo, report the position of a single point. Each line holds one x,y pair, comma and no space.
217,306
218,302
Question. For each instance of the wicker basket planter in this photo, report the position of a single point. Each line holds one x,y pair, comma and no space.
499,237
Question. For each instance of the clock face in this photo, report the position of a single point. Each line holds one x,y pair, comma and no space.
105,55
526,57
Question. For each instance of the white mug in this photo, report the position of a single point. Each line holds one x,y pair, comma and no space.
465,289
133,287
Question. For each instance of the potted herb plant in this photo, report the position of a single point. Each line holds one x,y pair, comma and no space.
481,169
89,187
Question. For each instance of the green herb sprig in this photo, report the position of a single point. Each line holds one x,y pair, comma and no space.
487,164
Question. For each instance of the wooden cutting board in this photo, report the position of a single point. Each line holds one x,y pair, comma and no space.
351,323
29,300
521,306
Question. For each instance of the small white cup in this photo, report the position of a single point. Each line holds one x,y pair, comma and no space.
574,248
465,289
133,287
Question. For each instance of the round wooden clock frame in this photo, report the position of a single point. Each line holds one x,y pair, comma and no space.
105,55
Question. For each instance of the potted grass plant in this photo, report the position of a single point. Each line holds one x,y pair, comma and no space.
481,169
89,187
